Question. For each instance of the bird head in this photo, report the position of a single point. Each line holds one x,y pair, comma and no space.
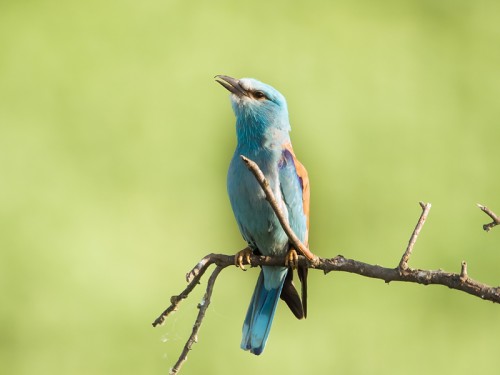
256,105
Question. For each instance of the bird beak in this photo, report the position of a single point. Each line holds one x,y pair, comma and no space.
232,85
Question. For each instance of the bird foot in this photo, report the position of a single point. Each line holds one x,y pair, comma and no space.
242,255
292,259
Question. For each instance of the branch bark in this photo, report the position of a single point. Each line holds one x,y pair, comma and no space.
459,281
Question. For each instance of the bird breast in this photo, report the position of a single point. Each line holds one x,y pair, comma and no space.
256,219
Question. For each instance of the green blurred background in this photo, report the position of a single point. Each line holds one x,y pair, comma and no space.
114,146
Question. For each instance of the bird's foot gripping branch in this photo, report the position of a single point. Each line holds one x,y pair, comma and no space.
402,272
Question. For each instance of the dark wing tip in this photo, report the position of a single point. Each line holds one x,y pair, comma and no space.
291,297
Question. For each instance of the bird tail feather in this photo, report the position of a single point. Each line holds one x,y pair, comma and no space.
260,314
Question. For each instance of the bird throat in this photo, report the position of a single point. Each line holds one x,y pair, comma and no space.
256,135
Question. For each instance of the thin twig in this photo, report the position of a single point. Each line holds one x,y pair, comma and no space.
495,217
298,245
403,264
193,278
203,306
463,272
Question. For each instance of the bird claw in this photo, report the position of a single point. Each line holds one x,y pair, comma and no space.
292,259
244,254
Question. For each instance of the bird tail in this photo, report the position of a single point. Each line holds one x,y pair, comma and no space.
260,314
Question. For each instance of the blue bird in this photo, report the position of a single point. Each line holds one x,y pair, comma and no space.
262,131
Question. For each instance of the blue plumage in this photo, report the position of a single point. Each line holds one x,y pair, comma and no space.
262,130
259,316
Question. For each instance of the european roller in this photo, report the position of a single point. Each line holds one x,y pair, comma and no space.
262,131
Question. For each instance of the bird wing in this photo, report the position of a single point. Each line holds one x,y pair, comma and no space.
294,183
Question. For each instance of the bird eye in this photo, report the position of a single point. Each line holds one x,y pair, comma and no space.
259,95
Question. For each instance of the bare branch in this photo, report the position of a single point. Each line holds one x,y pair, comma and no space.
298,245
193,278
403,264
458,281
203,306
495,217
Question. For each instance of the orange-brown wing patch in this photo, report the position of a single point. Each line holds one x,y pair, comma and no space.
304,178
